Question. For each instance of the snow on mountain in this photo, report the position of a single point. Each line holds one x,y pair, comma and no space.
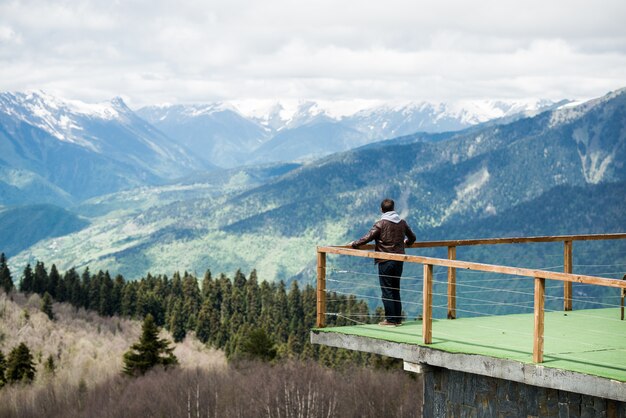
216,132
305,113
391,120
104,127
59,117
275,117
181,112
243,132
574,109
283,114
230,134
86,149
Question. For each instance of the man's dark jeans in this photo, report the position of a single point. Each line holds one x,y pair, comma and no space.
389,273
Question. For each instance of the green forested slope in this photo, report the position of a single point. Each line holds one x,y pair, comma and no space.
24,226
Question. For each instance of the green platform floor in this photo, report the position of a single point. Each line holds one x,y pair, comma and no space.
585,341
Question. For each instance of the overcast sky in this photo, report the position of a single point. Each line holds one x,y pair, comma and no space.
178,51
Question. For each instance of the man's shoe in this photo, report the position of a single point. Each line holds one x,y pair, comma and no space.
386,323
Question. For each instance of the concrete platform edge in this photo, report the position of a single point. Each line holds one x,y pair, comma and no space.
530,374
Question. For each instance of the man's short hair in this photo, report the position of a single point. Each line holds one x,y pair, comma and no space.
387,205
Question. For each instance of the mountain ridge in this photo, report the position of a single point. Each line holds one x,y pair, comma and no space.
85,150
309,131
439,180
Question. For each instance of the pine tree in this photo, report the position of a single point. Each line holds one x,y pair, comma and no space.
85,285
256,344
105,295
20,366
53,281
297,331
149,351
226,311
309,306
6,281
203,324
148,302
129,299
267,302
40,282
191,301
46,306
177,286
296,313
214,302
93,291
206,283
61,293
253,300
160,285
177,322
73,291
280,314
116,296
26,284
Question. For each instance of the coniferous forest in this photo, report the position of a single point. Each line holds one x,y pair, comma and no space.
263,328
245,317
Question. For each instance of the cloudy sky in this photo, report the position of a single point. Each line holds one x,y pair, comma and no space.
180,51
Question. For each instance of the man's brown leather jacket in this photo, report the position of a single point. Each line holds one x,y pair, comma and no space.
388,236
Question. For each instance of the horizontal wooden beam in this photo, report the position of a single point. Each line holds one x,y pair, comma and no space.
491,268
518,240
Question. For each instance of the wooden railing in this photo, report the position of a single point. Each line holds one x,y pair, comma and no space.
540,276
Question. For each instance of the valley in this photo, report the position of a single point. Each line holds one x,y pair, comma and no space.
485,181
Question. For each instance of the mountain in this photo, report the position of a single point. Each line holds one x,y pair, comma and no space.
595,208
83,149
26,225
198,187
306,113
313,140
441,182
23,187
217,133
227,137
389,121
472,174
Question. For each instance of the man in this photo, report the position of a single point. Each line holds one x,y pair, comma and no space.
389,235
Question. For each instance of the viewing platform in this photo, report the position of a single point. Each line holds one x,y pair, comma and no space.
573,355
584,352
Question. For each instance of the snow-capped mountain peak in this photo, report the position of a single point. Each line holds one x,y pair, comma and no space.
208,109
61,118
402,118
38,99
306,112
88,148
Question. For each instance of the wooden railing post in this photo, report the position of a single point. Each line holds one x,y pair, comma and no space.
622,294
321,289
540,289
567,268
427,305
451,285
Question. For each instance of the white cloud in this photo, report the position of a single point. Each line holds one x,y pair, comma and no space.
184,51
8,35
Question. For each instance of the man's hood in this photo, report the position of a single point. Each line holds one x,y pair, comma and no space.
391,216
